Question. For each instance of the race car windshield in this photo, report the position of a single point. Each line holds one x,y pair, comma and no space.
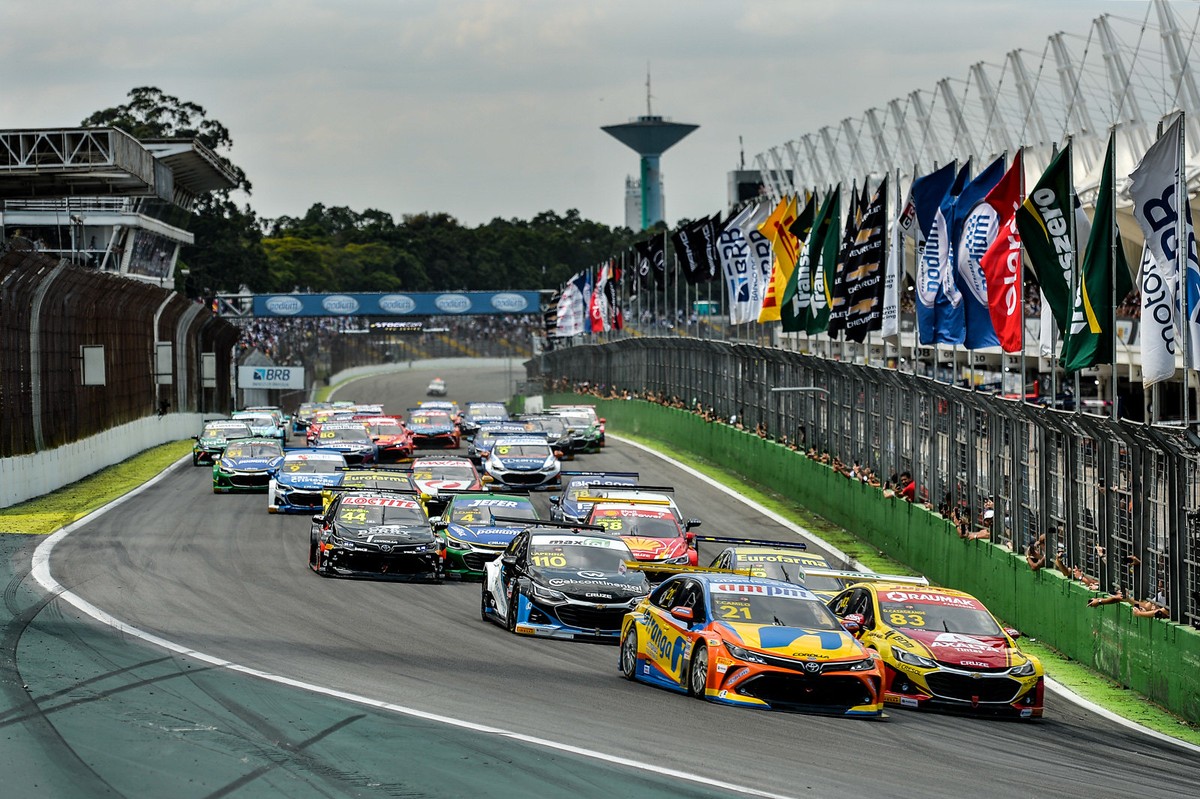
429,418
646,526
474,514
523,451
939,618
375,516
553,426
347,434
258,421
387,429
778,610
232,431
576,420
460,473
489,412
255,450
311,466
556,556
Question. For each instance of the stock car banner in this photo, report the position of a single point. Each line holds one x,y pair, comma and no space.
430,303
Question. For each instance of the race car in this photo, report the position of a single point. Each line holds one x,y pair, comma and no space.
436,388
476,413
433,427
434,477
779,560
752,642
298,480
485,437
265,424
476,527
648,526
523,462
583,417
942,648
304,414
215,436
246,465
374,533
281,418
349,438
566,507
391,437
661,495
561,582
556,429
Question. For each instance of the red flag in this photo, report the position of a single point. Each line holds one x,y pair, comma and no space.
1002,262
599,312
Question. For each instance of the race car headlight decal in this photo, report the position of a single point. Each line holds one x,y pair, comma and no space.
548,594
866,664
1024,670
681,559
549,464
742,654
914,660
494,462
454,543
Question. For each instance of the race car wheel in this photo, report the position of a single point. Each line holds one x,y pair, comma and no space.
627,660
314,556
484,604
195,460
510,615
698,672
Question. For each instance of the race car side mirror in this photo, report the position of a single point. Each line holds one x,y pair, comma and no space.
1014,634
683,614
554,500
195,438
439,524
318,519
509,560
853,623
690,523
690,538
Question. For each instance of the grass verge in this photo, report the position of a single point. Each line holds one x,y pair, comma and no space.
49,512
1090,685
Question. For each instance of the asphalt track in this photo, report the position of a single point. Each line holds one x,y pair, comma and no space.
219,575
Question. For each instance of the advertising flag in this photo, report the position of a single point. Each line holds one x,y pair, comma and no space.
1191,292
689,249
599,315
976,223
1001,263
939,302
836,285
1093,316
864,272
824,264
926,194
796,294
1049,237
644,262
1157,323
784,248
895,274
573,305
739,267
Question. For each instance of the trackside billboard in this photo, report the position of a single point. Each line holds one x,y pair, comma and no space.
455,303
270,377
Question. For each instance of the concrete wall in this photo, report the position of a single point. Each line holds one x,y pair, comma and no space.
1157,658
23,477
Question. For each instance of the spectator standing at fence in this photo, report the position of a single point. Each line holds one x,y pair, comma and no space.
907,487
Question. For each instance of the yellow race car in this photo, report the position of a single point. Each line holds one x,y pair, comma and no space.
942,648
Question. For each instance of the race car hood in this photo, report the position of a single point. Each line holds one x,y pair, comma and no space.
390,534
441,484
309,479
971,651
796,642
594,586
486,536
522,464
430,429
644,548
246,464
388,440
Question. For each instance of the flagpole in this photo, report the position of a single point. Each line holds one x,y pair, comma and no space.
1113,266
1021,296
1183,245
1075,269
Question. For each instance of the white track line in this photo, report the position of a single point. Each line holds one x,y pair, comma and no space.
41,572
812,538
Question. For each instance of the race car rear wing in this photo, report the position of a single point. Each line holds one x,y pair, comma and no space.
620,500
754,542
566,473
548,523
639,487
868,577
678,568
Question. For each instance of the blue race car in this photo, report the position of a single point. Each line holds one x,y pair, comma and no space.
476,413
245,465
298,480
266,424
565,507
476,528
485,437
523,462
352,439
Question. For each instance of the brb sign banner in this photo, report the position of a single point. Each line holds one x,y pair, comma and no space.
270,377
455,303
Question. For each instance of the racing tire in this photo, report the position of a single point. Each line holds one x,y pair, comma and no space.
510,616
698,672
484,605
314,557
627,659
195,461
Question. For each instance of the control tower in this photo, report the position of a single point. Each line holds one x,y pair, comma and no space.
650,136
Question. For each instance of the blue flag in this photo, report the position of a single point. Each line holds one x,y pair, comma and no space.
974,227
924,197
939,303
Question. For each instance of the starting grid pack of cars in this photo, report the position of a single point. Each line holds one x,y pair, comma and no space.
766,624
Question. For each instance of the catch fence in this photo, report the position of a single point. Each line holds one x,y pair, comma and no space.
1121,499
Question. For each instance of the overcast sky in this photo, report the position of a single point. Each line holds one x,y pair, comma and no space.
493,108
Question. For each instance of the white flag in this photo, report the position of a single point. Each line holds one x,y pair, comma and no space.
1153,186
1158,286
739,265
572,307
892,281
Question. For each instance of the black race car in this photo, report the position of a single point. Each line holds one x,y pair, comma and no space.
375,533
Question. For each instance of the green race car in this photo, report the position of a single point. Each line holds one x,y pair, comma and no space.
477,526
246,465
215,436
